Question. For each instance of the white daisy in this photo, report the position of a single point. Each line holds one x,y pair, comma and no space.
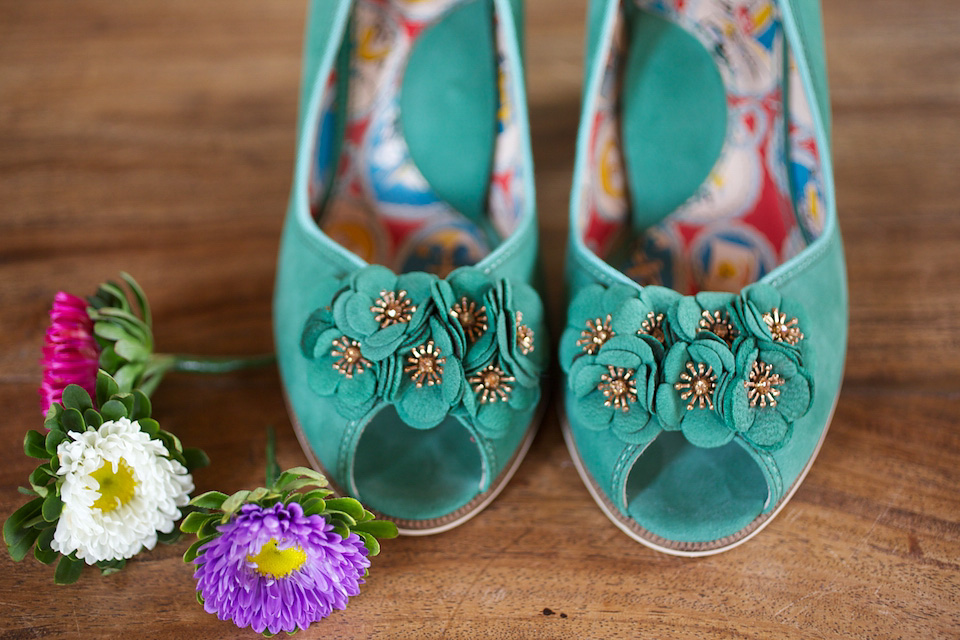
119,490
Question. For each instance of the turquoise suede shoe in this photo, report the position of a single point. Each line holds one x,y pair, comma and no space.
707,329
409,339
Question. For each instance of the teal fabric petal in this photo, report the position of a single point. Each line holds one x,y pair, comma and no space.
324,343
795,398
357,390
470,282
630,343
703,428
453,382
684,318
373,279
494,419
629,316
670,409
318,322
618,358
587,379
591,413
737,408
354,315
770,429
422,408
323,380
585,305
522,398
417,285
659,299
635,427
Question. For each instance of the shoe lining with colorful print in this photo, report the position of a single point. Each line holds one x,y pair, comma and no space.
761,203
374,200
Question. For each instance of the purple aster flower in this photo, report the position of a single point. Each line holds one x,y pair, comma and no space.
273,568
70,352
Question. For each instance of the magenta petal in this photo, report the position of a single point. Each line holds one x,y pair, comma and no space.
70,352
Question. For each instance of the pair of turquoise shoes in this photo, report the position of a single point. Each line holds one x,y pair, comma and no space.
706,330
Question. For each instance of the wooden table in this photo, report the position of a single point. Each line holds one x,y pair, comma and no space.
158,138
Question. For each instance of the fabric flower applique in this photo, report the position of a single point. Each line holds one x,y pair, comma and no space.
281,557
381,310
466,344
774,320
770,391
687,397
615,387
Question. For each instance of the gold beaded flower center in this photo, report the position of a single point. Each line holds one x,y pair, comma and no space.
598,331
350,359
654,326
472,319
697,384
782,328
718,323
619,387
426,364
392,307
762,385
492,383
524,336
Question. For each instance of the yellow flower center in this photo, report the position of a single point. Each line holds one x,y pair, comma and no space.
116,487
275,563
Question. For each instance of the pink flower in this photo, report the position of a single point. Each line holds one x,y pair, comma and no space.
70,352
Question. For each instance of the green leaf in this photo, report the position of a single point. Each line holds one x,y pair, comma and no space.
379,528
13,527
52,506
20,549
76,397
92,418
68,570
331,514
310,473
196,459
45,541
114,294
109,567
195,520
110,361
340,529
34,445
113,410
106,387
170,441
373,547
273,469
41,475
209,528
347,505
139,296
110,331
131,350
231,504
133,325
194,550
258,494
53,413
141,406
126,376
169,538
149,426
53,440
313,507
46,557
72,420
209,500
126,399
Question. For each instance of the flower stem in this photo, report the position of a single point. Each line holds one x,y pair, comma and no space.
163,363
195,364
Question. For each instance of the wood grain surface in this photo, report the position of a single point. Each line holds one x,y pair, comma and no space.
158,138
